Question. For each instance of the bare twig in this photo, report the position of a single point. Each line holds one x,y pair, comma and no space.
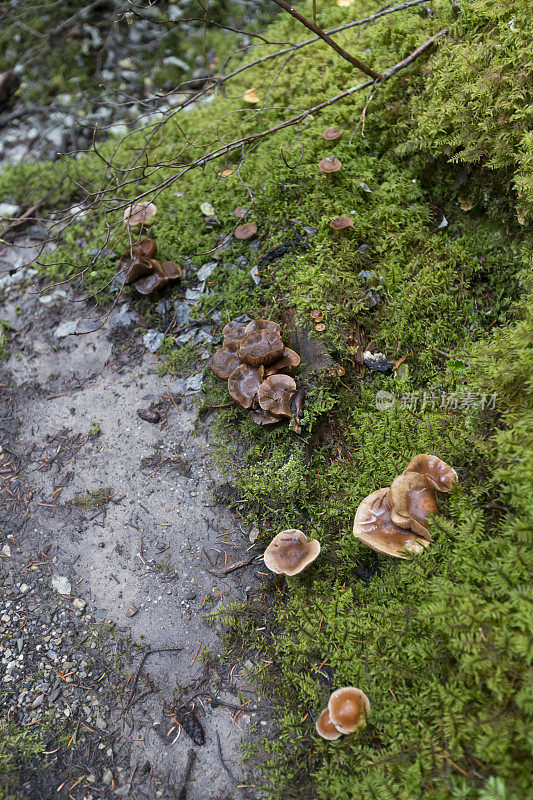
324,36
140,666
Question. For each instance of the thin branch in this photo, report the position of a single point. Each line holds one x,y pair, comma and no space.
388,73
324,36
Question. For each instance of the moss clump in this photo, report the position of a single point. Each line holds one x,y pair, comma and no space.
94,498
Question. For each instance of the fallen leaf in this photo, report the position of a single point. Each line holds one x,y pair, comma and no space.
207,209
226,173
250,96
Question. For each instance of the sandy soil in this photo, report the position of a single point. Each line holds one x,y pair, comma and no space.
70,422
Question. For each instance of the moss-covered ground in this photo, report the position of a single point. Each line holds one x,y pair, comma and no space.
441,643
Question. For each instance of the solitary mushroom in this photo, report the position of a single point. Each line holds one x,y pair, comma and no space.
332,133
412,501
348,709
325,727
224,362
261,347
329,165
243,384
289,553
275,395
140,214
341,223
287,363
245,231
374,527
439,474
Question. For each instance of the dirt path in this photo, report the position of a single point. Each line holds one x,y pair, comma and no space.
123,509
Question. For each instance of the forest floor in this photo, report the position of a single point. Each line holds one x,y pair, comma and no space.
112,527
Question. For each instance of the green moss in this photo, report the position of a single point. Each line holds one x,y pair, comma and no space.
94,498
5,327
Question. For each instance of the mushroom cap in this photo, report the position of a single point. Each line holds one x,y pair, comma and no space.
325,727
263,325
243,384
348,709
341,223
224,362
245,231
171,270
374,527
139,214
275,394
439,474
134,267
146,247
261,347
151,283
332,133
412,501
287,363
233,337
289,553
261,417
329,165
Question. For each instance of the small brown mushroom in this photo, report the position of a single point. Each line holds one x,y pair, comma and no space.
439,474
261,417
134,267
412,501
287,363
374,527
224,362
329,165
263,325
348,709
245,231
171,270
275,395
240,211
233,337
317,315
325,727
146,247
332,133
151,283
243,384
261,347
140,214
341,223
289,553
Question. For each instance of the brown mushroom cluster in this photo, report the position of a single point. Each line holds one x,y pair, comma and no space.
347,710
141,268
394,520
254,361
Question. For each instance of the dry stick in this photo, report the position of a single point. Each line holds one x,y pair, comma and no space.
239,143
191,756
220,573
383,12
323,35
141,662
388,73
